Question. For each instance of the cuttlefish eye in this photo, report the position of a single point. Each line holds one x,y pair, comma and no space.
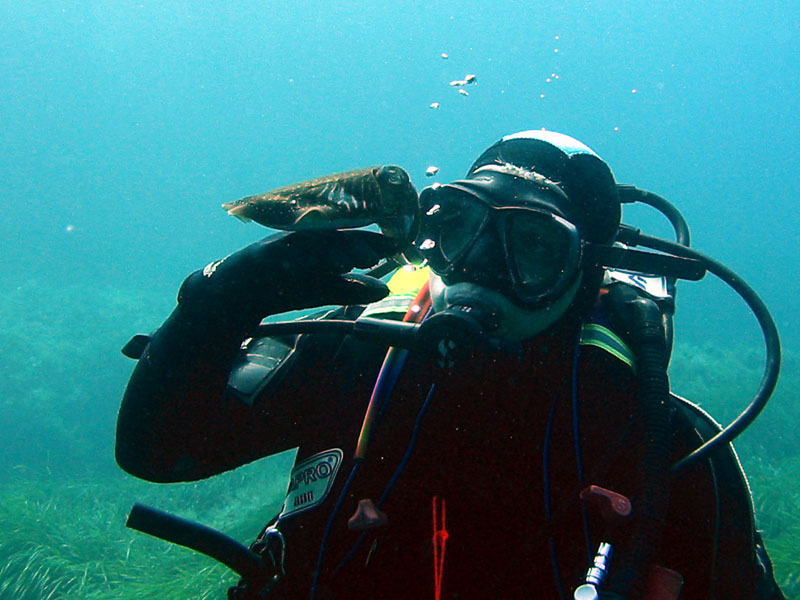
393,175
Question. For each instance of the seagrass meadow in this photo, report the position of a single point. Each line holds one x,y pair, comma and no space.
63,502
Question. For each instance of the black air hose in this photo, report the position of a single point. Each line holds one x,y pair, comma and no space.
200,538
642,321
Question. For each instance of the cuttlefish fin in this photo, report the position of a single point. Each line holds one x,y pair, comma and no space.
310,218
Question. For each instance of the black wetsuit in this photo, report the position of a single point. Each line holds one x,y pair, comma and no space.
496,444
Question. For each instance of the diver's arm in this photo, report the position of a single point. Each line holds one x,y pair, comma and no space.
175,389
176,423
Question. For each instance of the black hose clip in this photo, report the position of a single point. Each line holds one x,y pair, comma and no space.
271,547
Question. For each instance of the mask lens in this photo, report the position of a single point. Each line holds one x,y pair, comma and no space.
543,251
452,220
461,221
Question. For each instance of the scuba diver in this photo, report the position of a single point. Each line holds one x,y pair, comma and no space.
523,445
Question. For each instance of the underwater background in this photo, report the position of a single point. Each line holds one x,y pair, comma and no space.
124,125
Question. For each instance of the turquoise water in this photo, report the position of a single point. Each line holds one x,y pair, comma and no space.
124,125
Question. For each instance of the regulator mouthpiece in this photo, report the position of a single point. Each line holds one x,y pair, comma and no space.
457,330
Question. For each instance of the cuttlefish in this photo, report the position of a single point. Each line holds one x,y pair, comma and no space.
383,195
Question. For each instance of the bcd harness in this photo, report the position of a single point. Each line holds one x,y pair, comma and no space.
408,297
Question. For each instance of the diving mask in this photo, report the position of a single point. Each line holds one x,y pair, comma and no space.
535,255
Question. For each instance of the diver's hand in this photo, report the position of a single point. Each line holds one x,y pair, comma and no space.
289,271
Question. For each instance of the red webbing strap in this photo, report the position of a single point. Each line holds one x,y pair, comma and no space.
440,536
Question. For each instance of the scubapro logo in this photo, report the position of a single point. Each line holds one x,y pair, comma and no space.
303,498
313,473
311,481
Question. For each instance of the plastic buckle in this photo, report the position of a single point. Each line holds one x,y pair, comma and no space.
613,506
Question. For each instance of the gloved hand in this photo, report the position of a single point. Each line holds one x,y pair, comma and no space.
287,271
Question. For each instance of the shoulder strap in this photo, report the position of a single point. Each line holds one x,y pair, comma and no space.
595,334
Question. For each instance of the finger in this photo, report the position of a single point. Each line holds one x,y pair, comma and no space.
355,289
340,251
346,289
366,248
